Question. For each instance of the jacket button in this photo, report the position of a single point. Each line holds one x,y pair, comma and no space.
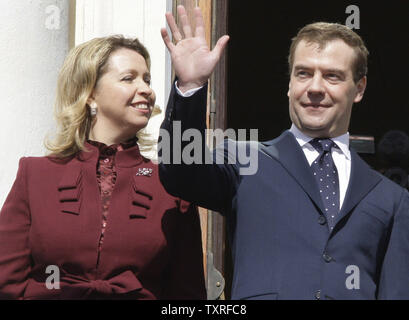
318,295
327,258
322,220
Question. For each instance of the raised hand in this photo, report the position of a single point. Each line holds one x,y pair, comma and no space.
191,57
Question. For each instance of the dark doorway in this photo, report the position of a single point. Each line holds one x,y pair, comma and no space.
258,74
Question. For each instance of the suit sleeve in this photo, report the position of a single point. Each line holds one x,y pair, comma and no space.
185,277
206,182
394,281
14,234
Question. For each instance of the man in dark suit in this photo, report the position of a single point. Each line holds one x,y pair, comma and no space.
315,221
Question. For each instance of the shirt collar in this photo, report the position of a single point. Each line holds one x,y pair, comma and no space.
105,150
341,141
128,156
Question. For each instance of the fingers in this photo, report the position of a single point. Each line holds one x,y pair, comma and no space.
166,39
200,27
220,46
184,19
173,27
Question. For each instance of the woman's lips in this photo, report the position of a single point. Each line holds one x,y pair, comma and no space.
142,108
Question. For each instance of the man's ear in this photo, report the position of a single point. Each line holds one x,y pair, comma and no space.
361,86
289,89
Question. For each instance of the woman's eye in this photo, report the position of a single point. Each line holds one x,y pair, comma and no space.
127,79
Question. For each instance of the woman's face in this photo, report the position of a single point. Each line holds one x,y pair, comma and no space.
123,96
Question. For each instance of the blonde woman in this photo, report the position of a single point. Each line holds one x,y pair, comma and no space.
91,220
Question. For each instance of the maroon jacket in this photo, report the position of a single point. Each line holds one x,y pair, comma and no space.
52,216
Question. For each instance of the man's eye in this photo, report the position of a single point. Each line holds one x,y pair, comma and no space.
333,76
302,74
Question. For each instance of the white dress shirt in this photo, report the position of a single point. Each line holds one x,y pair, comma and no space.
341,156
188,93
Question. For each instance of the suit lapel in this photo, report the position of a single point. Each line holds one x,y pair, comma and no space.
362,180
288,152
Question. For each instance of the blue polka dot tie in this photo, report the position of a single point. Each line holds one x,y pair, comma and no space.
326,174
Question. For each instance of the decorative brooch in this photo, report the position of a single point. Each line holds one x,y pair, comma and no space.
147,172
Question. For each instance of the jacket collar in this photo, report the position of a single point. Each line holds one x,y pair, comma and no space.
363,179
286,150
341,141
126,158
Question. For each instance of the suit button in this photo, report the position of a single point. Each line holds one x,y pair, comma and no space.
322,220
327,258
318,295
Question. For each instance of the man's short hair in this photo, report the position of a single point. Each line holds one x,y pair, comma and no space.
322,33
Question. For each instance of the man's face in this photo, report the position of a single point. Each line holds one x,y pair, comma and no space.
123,94
322,88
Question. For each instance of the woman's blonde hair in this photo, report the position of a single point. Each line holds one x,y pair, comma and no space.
82,68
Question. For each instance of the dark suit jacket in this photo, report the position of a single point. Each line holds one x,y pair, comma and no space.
281,245
52,216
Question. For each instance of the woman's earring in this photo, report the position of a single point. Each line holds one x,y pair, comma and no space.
93,109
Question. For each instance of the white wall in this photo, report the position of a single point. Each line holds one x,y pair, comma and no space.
33,42
132,18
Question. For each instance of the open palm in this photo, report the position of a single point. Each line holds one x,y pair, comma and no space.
192,59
